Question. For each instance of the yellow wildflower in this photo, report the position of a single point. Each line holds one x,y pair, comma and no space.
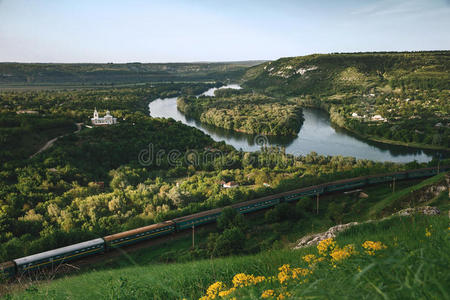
213,290
226,292
342,253
326,245
309,259
297,272
371,247
242,279
428,231
280,297
268,294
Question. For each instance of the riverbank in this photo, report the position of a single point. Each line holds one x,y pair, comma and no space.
326,108
316,135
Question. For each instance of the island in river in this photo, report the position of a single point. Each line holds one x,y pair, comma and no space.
244,112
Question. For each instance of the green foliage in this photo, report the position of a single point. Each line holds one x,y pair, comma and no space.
281,212
250,113
230,241
230,218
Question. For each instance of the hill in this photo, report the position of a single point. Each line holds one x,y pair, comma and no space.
398,257
41,73
400,98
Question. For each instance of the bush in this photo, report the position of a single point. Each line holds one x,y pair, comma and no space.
230,218
279,213
231,241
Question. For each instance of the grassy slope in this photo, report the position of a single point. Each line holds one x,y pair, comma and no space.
191,279
412,266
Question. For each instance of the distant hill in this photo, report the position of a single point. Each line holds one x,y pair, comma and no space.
39,73
327,74
390,97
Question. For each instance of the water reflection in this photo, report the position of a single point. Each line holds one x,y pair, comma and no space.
317,134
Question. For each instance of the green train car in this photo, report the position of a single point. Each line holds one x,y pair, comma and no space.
205,217
257,204
345,185
304,192
422,172
139,234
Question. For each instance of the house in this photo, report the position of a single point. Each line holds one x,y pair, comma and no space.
230,184
378,118
106,120
30,112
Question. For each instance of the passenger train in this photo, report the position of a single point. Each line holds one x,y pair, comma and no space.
122,239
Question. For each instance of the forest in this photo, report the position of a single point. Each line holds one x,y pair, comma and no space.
244,112
29,118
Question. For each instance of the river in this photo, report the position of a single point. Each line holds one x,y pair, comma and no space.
317,134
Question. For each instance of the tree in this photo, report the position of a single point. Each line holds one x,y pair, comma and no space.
230,218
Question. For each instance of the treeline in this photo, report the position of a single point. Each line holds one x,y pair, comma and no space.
249,113
32,73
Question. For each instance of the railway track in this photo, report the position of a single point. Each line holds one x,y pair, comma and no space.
114,245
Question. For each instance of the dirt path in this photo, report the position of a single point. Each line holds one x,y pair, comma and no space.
52,141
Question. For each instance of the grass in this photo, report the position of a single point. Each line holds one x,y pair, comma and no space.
412,266
396,197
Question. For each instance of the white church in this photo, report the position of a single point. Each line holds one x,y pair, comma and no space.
106,120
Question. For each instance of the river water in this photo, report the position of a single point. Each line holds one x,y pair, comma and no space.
316,135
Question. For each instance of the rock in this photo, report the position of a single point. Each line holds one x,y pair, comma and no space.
314,239
425,210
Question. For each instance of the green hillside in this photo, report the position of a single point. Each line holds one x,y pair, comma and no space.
400,98
398,257
328,74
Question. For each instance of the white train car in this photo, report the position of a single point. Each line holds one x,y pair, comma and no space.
60,255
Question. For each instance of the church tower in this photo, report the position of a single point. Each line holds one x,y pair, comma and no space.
95,113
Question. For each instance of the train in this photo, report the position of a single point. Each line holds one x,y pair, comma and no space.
97,246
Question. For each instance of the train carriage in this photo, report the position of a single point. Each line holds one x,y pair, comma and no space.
345,184
8,268
257,204
304,192
205,217
422,172
139,234
60,255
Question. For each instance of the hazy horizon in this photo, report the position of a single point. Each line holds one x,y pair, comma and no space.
45,31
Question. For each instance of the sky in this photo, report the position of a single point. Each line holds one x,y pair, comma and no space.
209,30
